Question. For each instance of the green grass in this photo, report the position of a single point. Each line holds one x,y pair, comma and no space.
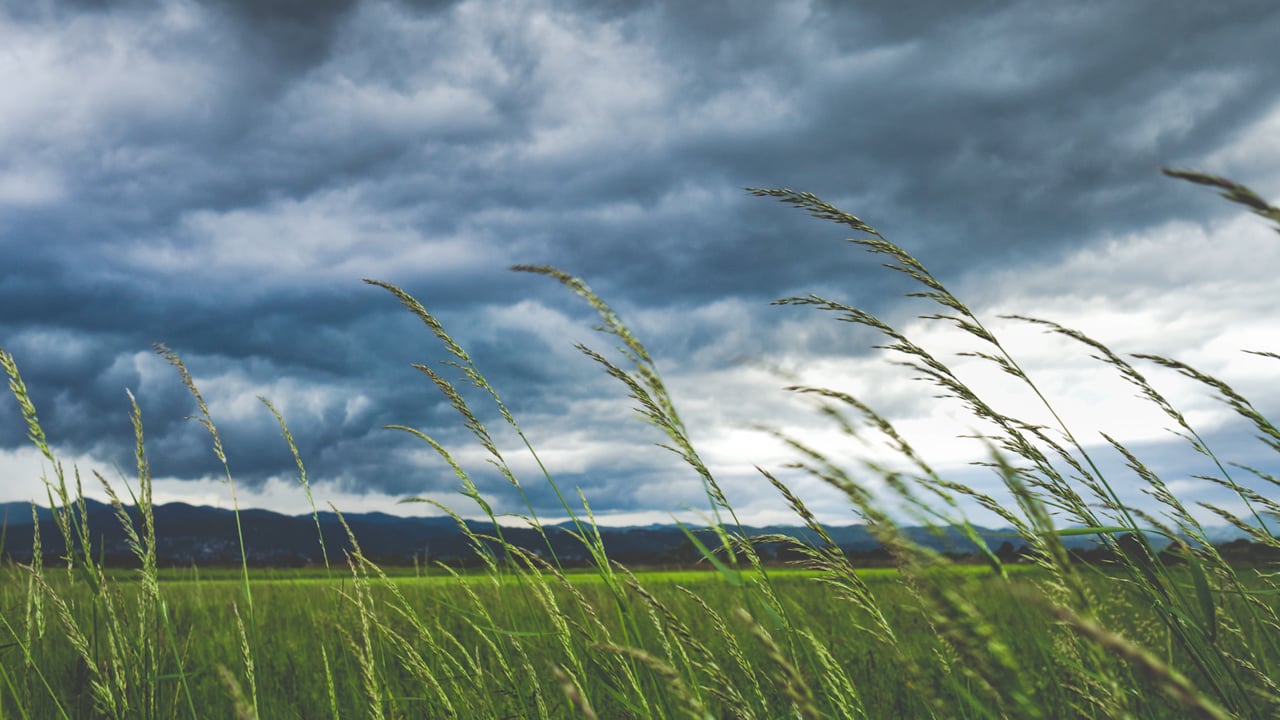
524,638
294,629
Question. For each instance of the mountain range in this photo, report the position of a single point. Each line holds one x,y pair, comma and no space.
187,534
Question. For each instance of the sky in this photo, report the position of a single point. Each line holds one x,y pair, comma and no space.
220,176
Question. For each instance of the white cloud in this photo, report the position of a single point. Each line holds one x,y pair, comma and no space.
443,80
26,470
232,397
596,85
93,79
556,331
332,236
1252,156
1196,294
29,186
1175,111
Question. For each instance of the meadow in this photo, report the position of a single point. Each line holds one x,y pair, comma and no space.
1138,637
305,665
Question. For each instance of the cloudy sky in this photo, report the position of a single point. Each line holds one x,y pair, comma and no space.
219,176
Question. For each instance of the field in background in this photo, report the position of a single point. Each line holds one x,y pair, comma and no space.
1172,634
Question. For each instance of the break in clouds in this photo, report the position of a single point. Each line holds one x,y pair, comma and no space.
220,176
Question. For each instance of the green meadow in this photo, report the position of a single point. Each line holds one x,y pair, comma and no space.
1167,630
306,665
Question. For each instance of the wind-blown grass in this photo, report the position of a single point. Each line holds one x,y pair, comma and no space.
1138,638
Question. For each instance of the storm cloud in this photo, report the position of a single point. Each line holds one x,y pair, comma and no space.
220,176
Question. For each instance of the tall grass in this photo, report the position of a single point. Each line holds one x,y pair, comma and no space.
1139,638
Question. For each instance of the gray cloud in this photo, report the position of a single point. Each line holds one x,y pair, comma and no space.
220,176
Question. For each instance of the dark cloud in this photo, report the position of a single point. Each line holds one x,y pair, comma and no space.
219,177
287,31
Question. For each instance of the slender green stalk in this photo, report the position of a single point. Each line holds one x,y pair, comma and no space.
302,475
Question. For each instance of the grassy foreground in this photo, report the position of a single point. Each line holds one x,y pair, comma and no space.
525,639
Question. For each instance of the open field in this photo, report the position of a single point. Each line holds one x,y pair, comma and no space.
309,651
1173,631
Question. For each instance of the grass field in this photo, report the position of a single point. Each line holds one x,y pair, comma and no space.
524,638
308,663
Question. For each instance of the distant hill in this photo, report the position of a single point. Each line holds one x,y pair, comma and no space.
189,534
